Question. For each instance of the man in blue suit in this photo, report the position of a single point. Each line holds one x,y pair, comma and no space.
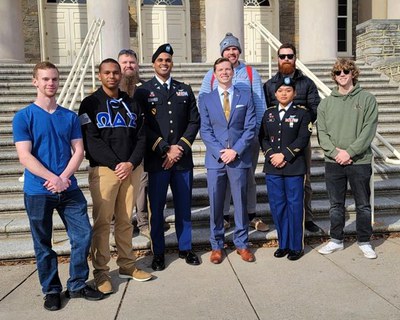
228,124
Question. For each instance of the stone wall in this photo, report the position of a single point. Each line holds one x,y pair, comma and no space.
378,44
198,30
355,18
133,26
289,21
30,28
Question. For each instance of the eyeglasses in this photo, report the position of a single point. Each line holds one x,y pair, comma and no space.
284,56
339,72
128,52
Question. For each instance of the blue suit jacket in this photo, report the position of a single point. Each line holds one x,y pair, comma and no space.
217,133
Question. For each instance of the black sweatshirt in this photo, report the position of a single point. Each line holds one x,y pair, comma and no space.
112,129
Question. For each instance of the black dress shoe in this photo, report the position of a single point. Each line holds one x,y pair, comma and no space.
280,253
190,257
295,255
158,263
312,227
86,292
52,301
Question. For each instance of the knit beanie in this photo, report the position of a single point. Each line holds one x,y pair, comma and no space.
229,41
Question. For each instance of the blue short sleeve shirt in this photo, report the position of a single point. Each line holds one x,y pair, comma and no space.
50,135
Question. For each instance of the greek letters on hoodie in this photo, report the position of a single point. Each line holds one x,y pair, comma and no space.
112,129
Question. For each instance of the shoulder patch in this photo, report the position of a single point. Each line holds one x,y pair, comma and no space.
84,119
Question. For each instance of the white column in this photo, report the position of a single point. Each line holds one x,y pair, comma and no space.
115,32
11,36
318,30
379,9
393,9
223,16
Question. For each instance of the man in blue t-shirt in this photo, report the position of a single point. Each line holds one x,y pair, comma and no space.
44,135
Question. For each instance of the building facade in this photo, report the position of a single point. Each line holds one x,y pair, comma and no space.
34,30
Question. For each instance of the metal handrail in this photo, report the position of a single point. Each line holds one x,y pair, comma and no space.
324,91
80,67
85,56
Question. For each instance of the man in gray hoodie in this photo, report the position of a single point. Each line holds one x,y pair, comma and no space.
346,124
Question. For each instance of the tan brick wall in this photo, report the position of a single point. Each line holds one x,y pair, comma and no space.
133,26
30,29
289,21
198,30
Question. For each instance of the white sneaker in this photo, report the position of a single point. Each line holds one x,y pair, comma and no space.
331,247
367,250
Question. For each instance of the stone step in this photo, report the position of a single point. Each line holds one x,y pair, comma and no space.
18,244
17,221
24,95
26,68
21,81
8,154
387,104
12,201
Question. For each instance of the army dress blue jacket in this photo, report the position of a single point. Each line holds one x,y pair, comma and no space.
170,118
289,136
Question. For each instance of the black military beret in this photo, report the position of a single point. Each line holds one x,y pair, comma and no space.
285,81
166,47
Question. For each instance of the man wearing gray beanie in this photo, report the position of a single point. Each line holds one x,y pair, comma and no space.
229,41
244,78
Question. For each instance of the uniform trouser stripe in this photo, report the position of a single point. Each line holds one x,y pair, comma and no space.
286,195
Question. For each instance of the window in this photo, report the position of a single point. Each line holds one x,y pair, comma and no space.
256,3
163,2
67,1
342,26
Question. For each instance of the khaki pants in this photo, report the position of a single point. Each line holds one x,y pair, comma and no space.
142,212
112,197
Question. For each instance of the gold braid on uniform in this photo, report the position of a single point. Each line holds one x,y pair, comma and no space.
156,144
291,152
186,141
266,151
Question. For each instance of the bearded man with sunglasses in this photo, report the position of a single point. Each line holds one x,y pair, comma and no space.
307,96
347,122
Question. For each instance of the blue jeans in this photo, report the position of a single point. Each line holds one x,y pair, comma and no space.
336,184
72,208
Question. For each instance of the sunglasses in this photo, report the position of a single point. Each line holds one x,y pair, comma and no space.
339,72
128,52
284,56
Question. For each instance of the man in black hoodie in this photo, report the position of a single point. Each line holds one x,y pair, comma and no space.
114,140
307,96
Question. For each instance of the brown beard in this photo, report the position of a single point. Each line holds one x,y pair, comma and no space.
286,68
128,83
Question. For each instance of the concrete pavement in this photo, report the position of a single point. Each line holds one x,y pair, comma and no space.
344,285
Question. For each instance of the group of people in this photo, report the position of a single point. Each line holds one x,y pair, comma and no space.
138,136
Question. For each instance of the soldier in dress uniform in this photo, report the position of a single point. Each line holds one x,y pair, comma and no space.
172,121
285,132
